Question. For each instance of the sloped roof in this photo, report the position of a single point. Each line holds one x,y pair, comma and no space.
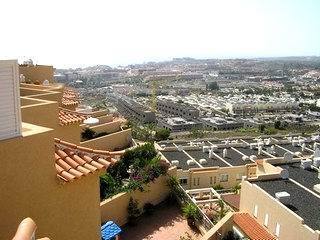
251,227
73,162
69,97
67,117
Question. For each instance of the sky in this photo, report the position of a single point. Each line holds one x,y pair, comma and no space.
78,33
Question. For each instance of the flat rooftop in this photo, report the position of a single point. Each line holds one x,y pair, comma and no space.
211,162
302,202
306,177
181,157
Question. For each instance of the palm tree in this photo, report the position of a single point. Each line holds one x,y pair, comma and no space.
222,211
191,212
236,189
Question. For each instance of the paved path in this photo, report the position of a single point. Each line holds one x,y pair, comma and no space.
166,223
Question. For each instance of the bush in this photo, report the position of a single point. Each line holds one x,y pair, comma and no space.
109,186
87,134
217,187
148,208
191,212
133,211
162,134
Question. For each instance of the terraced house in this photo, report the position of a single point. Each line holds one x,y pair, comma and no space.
49,173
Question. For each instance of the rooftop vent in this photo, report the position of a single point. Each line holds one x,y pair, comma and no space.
175,162
10,113
283,197
203,161
245,158
205,149
191,162
316,162
306,164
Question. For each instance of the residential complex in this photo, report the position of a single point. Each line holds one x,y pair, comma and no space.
49,173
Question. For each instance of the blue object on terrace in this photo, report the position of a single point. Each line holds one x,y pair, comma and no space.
110,230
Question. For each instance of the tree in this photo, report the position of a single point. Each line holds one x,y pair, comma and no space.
262,128
162,134
277,124
222,211
236,189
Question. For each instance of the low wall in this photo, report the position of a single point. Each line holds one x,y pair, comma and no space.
117,140
105,119
110,127
115,208
99,113
220,229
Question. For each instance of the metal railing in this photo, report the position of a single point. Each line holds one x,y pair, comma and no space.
184,198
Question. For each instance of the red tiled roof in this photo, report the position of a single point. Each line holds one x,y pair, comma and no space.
73,161
68,117
251,227
69,97
232,199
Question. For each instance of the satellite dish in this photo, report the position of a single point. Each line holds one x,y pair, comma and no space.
91,121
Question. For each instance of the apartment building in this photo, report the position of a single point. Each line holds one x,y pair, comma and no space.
221,123
177,109
49,174
176,124
135,111
282,200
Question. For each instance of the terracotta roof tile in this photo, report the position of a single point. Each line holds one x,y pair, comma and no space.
67,117
73,161
69,97
251,227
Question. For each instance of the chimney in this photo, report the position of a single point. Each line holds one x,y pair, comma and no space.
10,113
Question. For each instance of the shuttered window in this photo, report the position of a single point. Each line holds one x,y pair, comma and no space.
10,120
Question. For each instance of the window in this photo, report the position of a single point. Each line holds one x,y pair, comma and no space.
239,176
198,181
214,180
255,211
194,182
266,219
210,180
224,177
183,181
277,233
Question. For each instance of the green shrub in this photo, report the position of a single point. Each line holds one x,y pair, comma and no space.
148,208
133,211
217,187
87,134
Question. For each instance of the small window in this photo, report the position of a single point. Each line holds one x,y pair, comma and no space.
266,219
194,182
239,176
183,181
224,177
277,233
198,181
255,211
210,180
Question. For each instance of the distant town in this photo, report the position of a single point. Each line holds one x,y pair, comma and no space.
207,97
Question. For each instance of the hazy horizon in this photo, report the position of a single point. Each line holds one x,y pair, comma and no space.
81,33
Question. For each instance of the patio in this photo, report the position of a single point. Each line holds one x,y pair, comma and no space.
166,222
